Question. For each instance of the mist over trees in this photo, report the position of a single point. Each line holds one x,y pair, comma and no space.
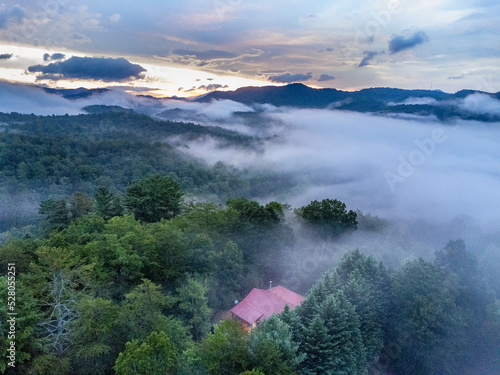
123,272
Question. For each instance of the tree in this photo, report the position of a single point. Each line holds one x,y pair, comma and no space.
478,340
366,284
80,205
106,204
145,309
154,198
273,349
155,356
56,215
425,319
94,333
228,275
329,217
318,347
225,351
193,306
58,281
27,343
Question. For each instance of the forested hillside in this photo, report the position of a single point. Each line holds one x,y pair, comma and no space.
56,156
134,250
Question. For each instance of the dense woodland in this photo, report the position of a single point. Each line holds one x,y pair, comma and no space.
121,272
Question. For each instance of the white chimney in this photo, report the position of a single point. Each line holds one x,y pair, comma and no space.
270,285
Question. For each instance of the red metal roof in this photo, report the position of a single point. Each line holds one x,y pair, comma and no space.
260,304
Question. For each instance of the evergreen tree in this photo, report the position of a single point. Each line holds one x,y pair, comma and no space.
56,215
106,204
94,332
318,348
425,318
80,205
342,324
275,336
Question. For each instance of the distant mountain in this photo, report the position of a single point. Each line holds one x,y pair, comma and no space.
71,94
379,100
302,96
100,108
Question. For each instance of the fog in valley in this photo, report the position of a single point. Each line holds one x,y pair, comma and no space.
425,181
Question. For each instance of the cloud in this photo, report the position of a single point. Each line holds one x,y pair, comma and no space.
399,43
290,78
369,55
205,55
6,56
13,13
115,17
53,57
210,87
325,77
480,103
457,76
91,68
442,171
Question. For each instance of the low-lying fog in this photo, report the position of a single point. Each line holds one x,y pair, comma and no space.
440,180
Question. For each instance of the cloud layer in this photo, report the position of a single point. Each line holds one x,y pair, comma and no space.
411,169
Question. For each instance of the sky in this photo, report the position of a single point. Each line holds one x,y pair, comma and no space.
187,48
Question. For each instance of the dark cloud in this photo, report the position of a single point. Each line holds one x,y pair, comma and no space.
325,77
210,87
5,56
290,78
369,55
97,69
205,55
459,76
53,57
399,43
13,13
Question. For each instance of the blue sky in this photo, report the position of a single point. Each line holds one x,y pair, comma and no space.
442,44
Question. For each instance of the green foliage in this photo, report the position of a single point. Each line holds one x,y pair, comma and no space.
154,356
154,198
94,334
329,217
193,307
273,348
51,157
80,205
252,212
27,343
332,340
107,205
425,318
228,275
225,351
56,215
366,284
252,372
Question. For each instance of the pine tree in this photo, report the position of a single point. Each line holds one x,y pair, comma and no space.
318,347
106,204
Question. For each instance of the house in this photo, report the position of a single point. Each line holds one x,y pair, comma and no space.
260,304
